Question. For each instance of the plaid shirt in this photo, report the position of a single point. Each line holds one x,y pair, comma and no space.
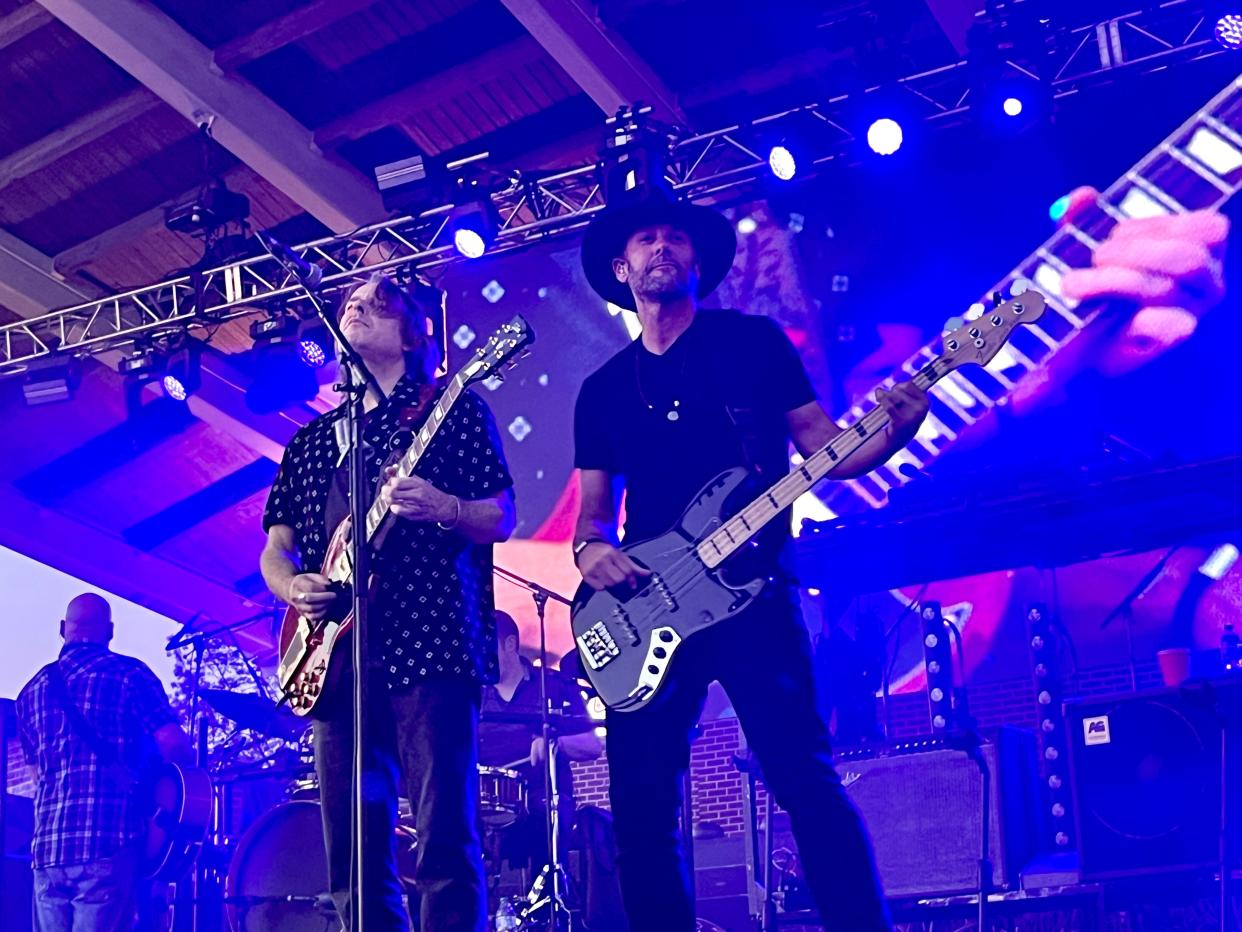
86,809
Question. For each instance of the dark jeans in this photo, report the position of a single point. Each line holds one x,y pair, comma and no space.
430,735
763,660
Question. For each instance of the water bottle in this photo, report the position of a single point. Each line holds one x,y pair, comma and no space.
1231,649
507,918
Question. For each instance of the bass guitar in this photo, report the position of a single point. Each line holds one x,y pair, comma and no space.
627,638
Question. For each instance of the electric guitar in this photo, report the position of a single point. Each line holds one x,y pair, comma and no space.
627,638
182,806
307,670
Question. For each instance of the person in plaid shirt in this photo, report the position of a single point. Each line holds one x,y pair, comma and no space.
88,819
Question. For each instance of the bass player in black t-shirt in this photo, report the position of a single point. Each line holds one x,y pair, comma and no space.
700,392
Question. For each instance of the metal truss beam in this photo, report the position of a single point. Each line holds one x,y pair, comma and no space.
704,167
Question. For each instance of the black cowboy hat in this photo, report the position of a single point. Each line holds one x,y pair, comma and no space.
715,243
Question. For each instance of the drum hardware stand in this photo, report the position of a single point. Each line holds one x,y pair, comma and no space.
355,380
553,873
198,878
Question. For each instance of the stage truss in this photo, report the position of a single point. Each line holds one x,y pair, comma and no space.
705,167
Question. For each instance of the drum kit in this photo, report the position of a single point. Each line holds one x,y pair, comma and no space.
269,831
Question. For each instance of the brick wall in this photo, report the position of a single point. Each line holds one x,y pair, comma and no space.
717,786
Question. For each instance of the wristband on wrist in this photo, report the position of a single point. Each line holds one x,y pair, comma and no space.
456,517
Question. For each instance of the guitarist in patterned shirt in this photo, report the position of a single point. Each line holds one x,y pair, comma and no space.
433,635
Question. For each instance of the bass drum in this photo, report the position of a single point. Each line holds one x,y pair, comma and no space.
278,878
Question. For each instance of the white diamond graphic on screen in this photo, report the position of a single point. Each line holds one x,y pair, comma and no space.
493,291
543,380
463,336
520,428
543,293
841,283
539,475
493,382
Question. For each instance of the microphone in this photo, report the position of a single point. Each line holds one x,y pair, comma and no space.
308,274
182,636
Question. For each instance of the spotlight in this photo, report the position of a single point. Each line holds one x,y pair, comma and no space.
473,226
183,373
412,184
51,378
1012,106
1229,31
782,162
884,136
469,243
312,354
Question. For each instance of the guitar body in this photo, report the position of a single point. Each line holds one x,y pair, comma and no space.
310,665
178,826
627,639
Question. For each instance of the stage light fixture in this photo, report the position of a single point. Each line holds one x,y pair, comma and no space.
145,364
474,229
1228,30
277,327
51,378
782,162
885,136
183,371
411,185
1012,106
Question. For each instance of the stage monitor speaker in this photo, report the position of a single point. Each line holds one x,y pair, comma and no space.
1146,774
923,808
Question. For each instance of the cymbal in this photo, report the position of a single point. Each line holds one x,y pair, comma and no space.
250,710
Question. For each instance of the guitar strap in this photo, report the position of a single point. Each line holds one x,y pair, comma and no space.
85,731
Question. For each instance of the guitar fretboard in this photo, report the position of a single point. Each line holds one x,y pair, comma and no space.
377,513
1198,166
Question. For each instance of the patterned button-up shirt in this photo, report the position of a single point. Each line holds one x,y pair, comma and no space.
87,809
432,611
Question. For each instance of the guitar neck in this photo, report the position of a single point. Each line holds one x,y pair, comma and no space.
738,530
377,513
1198,166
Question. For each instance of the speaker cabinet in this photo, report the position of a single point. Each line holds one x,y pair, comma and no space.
923,808
1146,773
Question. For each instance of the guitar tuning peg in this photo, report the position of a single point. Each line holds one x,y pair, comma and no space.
997,299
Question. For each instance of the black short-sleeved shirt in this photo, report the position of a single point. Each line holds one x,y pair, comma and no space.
433,611
729,378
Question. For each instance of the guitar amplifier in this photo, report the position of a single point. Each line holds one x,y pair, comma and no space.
922,805
1146,775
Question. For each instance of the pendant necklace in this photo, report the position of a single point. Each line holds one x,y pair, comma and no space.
672,413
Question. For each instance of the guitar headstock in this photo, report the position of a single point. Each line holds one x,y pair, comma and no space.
977,341
510,341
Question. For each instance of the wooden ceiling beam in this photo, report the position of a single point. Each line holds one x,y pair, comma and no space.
29,282
285,30
22,22
180,70
77,134
429,92
595,55
104,559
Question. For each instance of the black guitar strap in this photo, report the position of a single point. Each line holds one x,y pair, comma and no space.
82,727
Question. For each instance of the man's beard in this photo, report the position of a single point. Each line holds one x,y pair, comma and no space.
664,288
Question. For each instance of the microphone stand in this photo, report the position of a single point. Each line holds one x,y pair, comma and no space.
356,379
555,901
1125,608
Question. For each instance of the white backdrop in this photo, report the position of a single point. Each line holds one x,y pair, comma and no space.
34,597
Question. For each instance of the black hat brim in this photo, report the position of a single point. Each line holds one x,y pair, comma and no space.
715,244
